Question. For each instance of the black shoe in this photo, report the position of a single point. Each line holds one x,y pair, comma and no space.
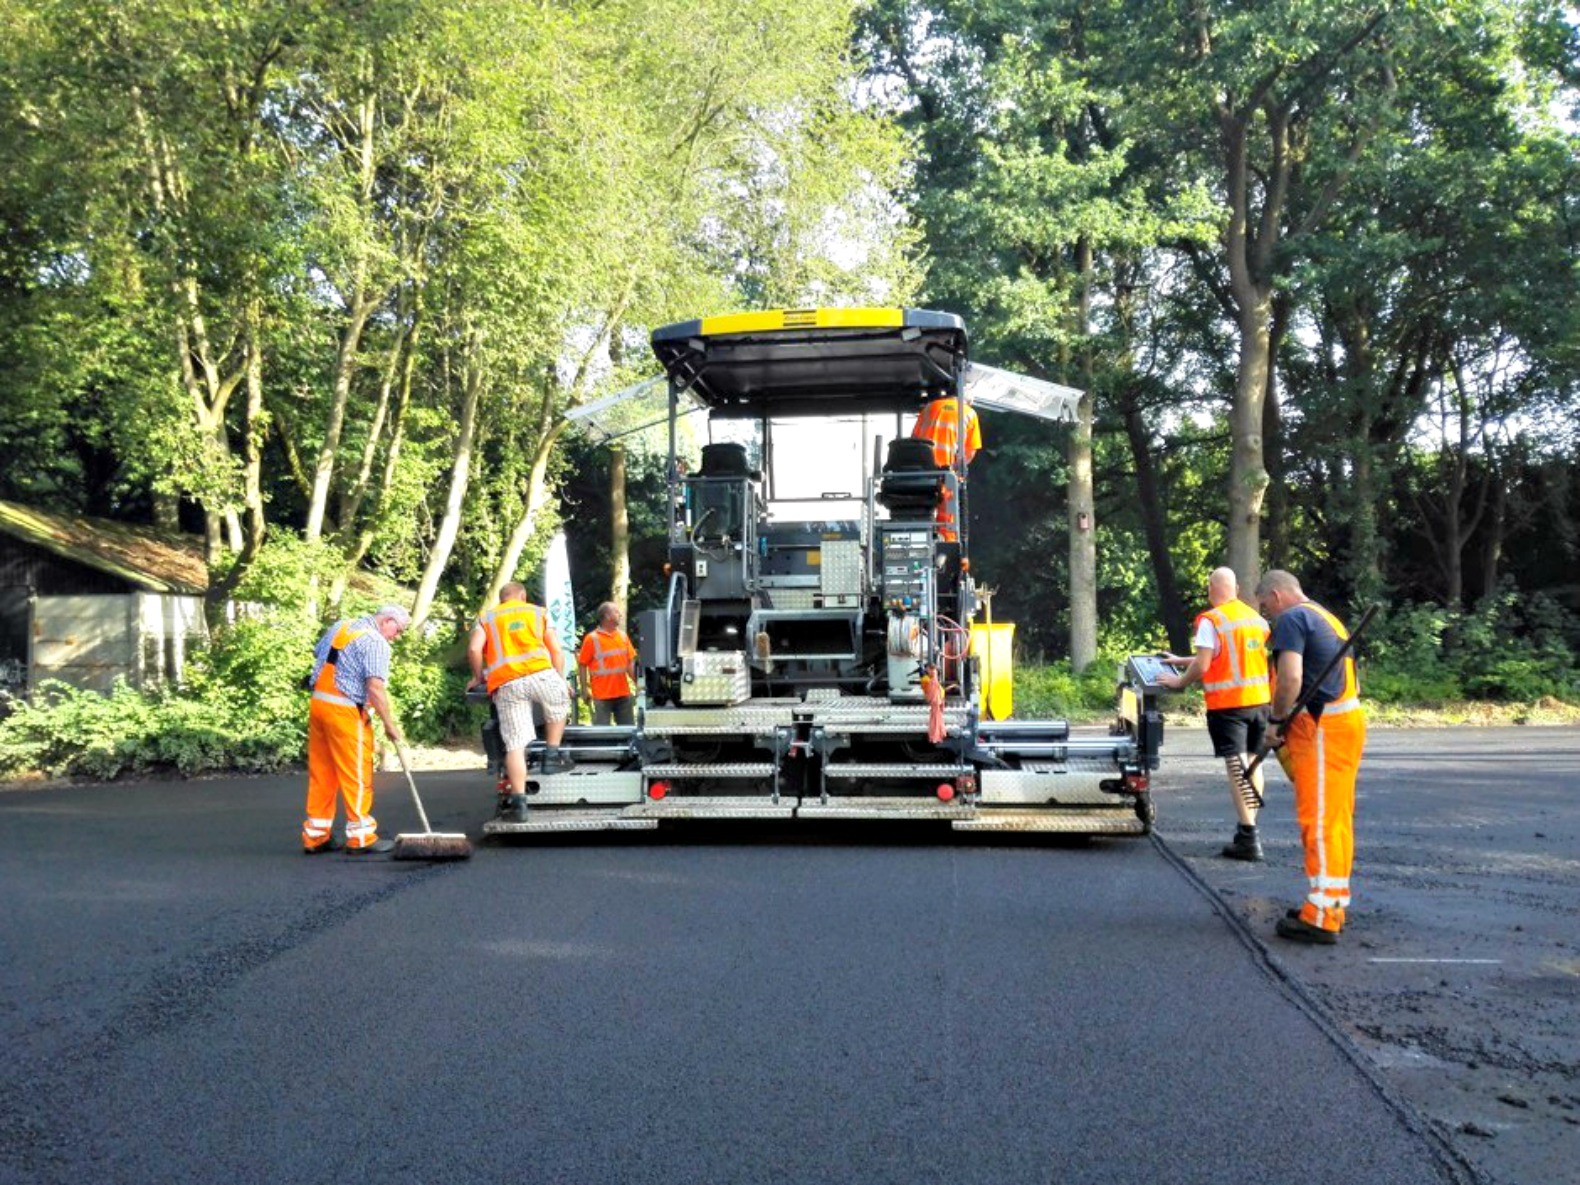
333,844
1296,930
557,761
512,809
377,848
1244,846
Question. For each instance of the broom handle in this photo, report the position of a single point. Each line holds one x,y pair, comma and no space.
1315,684
400,751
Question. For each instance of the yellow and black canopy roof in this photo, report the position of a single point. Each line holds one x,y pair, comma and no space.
815,361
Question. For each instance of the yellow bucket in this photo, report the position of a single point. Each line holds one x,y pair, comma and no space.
994,646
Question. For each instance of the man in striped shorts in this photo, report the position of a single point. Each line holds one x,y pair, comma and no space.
516,653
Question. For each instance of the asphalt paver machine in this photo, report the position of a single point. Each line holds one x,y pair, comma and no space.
811,659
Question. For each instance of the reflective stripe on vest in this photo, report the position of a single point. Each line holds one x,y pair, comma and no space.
611,660
514,642
1237,676
1349,695
940,423
324,690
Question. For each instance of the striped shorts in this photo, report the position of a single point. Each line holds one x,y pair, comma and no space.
514,700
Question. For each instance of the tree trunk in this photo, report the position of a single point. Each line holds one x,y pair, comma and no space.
619,531
253,428
460,477
1082,506
345,367
1176,621
1496,522
1273,443
537,498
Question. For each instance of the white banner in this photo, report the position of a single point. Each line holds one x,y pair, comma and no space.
557,596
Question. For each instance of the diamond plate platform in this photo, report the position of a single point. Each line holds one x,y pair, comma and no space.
1119,821
895,770
539,822
884,808
743,769
1065,786
683,807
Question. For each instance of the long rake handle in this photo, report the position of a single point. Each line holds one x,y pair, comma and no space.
1305,697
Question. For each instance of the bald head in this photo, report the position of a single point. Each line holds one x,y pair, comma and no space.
1222,586
513,591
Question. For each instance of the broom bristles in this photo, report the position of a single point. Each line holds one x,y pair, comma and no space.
432,845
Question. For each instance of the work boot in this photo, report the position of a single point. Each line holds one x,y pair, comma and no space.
512,808
378,847
557,761
1244,846
1296,930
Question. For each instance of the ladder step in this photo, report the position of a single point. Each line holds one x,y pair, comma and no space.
741,769
895,770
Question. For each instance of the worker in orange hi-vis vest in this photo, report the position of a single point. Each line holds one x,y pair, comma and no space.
1321,749
940,422
1231,665
351,668
516,654
607,662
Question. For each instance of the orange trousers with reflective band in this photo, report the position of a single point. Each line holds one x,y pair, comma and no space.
339,760
1322,761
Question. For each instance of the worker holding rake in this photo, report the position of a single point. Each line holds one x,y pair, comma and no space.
1319,744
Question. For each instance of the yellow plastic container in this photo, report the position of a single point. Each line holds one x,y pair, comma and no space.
994,646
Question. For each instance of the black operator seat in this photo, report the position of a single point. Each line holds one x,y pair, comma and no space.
726,460
911,479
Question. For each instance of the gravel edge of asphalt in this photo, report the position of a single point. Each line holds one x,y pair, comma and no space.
1457,1169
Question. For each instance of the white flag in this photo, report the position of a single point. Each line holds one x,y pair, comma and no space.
557,596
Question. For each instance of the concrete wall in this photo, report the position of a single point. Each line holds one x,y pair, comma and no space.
89,641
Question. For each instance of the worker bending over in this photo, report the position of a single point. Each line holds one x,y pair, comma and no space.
351,666
516,654
1321,749
1231,665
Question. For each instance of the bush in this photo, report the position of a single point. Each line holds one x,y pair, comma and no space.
242,708
1055,691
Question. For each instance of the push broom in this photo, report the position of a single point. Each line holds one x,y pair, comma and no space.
427,844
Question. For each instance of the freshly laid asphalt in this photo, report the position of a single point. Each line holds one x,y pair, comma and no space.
184,997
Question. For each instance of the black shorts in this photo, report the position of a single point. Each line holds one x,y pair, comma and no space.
1238,730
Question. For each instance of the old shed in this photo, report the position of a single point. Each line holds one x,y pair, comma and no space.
87,600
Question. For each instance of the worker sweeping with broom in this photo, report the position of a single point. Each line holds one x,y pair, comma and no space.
350,674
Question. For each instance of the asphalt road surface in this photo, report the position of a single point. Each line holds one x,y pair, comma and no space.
1458,977
184,997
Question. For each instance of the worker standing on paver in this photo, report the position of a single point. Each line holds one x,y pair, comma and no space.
941,423
515,652
351,668
1320,749
1231,665
607,664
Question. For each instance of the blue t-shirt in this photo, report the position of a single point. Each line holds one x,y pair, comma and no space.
1309,635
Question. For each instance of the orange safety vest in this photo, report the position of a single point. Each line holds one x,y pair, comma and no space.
940,423
515,642
1350,694
609,658
324,689
1237,675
